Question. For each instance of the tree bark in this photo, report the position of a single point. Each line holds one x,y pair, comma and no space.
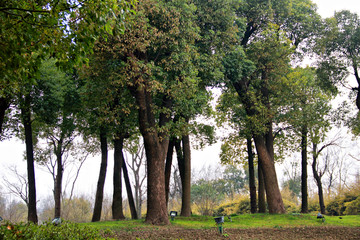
273,195
133,211
117,208
26,118
185,174
4,105
252,186
102,175
156,146
304,175
318,179
168,164
58,179
261,191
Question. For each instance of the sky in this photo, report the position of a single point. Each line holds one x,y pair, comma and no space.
12,151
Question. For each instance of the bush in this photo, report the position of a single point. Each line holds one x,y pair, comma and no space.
338,206
240,205
353,207
47,231
291,207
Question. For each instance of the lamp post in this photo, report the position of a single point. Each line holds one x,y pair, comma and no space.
173,214
219,221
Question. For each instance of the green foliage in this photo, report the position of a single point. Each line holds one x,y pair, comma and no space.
338,206
66,230
353,207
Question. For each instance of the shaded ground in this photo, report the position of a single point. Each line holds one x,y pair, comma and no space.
318,233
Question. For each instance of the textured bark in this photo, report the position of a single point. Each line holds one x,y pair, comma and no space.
185,173
168,164
102,175
304,175
318,180
133,211
156,146
58,180
252,186
273,195
4,105
117,208
261,191
26,119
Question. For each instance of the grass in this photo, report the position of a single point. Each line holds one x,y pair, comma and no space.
244,221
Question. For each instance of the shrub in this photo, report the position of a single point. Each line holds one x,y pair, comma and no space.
338,206
291,207
47,231
353,207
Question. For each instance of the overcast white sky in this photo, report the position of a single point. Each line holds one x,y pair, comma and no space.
11,152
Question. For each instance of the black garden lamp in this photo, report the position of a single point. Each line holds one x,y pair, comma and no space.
219,221
1,219
173,214
320,216
56,221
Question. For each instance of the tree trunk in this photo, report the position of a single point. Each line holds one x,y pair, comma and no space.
304,176
4,105
273,195
58,179
185,174
117,208
168,164
261,191
252,186
318,179
26,118
134,214
102,175
156,146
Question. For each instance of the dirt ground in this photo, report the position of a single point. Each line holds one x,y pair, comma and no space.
318,233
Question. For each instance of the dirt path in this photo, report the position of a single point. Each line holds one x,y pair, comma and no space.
318,233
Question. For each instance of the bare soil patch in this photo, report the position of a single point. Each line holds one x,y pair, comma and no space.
318,233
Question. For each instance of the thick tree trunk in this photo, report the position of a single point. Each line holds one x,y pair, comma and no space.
26,118
117,208
58,180
252,186
156,146
4,105
133,211
273,195
168,164
318,180
261,191
304,175
185,173
102,175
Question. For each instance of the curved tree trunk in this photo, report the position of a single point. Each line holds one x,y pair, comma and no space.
261,191
26,119
318,179
273,195
102,175
304,176
133,211
252,186
117,208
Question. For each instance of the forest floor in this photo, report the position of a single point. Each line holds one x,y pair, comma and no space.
318,233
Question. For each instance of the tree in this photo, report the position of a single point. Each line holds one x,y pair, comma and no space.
33,30
307,109
339,51
157,68
262,57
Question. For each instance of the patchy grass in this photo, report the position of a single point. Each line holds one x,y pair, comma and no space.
245,221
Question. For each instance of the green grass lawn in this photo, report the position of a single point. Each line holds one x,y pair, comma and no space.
242,221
